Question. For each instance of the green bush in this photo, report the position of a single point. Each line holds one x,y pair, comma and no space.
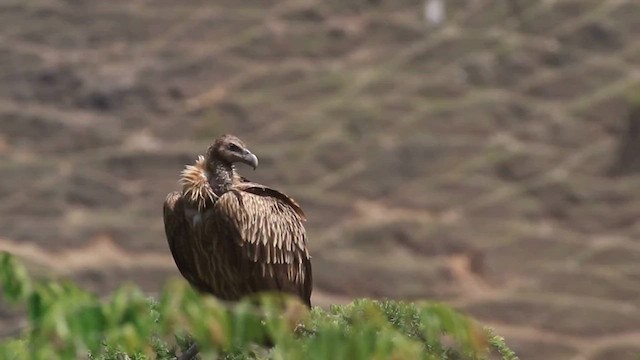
66,322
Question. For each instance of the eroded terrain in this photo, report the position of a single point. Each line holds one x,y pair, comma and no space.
490,163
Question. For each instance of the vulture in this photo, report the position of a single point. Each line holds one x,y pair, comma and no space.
231,237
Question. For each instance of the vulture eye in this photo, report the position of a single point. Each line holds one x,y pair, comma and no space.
234,148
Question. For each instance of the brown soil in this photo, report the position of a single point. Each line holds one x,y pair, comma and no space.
488,163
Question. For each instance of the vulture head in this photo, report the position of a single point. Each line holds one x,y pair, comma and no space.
228,149
213,174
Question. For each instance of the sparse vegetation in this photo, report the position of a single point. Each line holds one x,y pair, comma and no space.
512,133
66,322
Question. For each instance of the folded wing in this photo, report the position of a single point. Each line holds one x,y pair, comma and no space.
251,240
266,239
181,241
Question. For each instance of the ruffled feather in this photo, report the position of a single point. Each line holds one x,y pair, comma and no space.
195,184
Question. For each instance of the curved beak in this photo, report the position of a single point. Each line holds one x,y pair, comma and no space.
250,159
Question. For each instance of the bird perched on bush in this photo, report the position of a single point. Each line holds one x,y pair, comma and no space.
231,237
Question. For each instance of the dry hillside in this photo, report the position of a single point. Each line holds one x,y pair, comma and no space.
490,162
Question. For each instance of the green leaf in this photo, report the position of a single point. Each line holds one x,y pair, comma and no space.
16,285
66,322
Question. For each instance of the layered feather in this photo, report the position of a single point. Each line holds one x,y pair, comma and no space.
195,184
249,239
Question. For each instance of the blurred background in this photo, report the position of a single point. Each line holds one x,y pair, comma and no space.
482,153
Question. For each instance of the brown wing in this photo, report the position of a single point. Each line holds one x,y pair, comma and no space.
262,190
266,240
181,240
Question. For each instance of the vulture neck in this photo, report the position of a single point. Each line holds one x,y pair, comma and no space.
195,184
222,176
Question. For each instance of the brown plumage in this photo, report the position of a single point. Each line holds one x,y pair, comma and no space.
231,237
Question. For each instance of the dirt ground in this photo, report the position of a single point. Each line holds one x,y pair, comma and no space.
490,162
